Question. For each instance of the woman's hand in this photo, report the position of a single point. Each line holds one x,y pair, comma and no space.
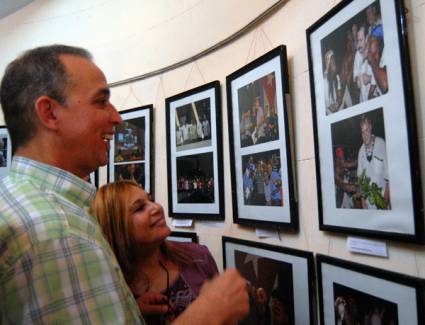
153,303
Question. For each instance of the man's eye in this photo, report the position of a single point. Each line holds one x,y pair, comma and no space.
102,102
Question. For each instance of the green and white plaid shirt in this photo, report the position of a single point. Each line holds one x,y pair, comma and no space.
55,265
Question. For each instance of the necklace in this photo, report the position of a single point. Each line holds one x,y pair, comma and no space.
167,291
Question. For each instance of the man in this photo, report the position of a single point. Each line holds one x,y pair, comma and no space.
248,186
133,173
55,265
275,184
260,122
375,22
372,160
344,190
362,71
332,84
376,59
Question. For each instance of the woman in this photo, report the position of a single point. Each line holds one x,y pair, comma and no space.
165,277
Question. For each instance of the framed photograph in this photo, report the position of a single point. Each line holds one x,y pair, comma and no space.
5,151
367,163
194,148
263,184
280,279
183,236
351,293
131,151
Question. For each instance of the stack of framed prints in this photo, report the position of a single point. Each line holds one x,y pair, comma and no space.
263,186
351,293
130,155
5,151
194,148
281,281
183,236
367,163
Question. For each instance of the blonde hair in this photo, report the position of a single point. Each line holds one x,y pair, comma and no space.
111,207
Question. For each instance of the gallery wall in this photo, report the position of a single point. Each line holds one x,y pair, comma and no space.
131,38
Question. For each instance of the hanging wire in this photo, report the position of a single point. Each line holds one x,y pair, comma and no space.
207,51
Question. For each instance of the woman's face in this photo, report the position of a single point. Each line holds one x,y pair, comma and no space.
147,218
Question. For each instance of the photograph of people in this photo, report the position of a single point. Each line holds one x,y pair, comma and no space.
195,178
258,111
372,163
360,162
193,125
356,307
129,140
354,68
262,180
270,288
160,273
131,171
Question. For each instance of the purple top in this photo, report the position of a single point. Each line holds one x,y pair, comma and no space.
191,278
188,283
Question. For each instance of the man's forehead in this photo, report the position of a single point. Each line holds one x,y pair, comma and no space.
82,71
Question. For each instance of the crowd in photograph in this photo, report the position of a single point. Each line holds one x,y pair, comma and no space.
197,189
361,73
258,125
133,172
128,146
193,131
262,182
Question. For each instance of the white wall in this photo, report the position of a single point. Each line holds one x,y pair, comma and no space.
132,37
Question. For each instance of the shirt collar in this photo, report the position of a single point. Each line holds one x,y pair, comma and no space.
53,179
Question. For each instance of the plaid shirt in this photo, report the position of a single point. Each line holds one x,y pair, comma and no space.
55,265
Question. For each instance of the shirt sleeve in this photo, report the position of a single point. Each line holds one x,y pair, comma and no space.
68,280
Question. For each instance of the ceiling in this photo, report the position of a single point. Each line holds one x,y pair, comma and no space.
8,7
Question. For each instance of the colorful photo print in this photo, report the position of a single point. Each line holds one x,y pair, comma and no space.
258,111
262,180
3,151
130,140
360,162
270,288
353,61
130,171
195,178
193,125
356,307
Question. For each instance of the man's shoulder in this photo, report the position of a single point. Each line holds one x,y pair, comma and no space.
379,141
28,214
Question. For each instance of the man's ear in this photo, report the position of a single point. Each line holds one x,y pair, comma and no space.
46,110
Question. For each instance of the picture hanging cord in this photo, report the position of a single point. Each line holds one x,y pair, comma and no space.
209,50
194,65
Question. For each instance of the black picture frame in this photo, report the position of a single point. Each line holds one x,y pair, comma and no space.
94,178
131,150
183,236
367,157
283,273
194,154
361,291
5,151
261,146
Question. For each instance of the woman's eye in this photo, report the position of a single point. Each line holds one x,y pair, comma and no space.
139,208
